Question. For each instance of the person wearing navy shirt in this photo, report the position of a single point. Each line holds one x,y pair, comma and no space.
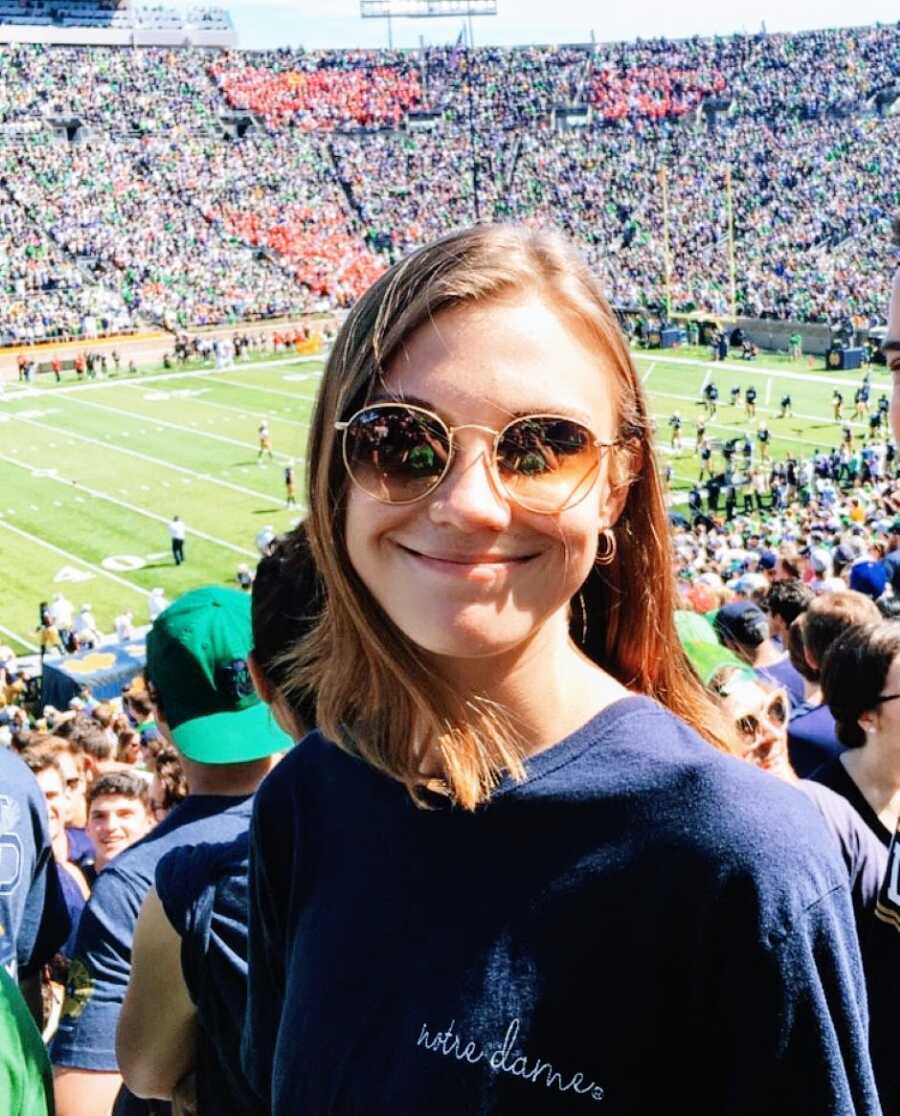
812,739
503,876
34,921
189,972
197,676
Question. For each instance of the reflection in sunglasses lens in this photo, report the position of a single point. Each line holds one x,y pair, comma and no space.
399,454
547,463
395,453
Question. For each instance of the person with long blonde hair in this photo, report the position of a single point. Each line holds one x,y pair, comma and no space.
515,870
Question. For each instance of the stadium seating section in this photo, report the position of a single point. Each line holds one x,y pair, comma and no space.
166,208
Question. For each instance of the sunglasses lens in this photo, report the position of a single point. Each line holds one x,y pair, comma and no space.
748,725
777,712
547,464
396,454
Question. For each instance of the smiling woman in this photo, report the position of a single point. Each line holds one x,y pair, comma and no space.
504,876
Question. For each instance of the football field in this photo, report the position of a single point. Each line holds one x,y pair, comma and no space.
91,473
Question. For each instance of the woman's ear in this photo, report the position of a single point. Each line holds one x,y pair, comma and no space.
261,683
624,466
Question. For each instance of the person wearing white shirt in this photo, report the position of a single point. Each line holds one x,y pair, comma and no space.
264,540
124,626
157,603
85,628
61,613
177,533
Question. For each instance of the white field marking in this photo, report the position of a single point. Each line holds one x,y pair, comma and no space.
749,433
19,639
646,375
769,381
827,419
706,380
269,391
244,410
158,377
745,368
190,430
160,461
74,558
98,495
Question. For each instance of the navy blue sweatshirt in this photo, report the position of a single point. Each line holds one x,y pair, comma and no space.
644,924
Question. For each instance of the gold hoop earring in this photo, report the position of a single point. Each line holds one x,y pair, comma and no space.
606,547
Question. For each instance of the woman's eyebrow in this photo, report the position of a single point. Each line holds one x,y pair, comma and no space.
402,397
562,410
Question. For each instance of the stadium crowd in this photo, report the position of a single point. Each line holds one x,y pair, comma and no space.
152,892
800,122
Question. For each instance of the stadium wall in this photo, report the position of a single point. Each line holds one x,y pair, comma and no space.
773,335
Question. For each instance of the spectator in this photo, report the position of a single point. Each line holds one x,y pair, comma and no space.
118,814
743,628
196,677
860,677
33,913
812,739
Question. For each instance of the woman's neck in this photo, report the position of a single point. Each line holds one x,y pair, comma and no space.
875,768
546,687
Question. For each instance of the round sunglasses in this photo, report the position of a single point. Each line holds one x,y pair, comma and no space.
775,711
399,453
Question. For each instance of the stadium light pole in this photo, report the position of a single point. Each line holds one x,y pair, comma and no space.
472,150
667,258
729,207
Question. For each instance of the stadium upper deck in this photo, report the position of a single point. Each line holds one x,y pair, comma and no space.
155,215
113,23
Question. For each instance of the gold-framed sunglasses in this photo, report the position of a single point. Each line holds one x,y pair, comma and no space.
399,453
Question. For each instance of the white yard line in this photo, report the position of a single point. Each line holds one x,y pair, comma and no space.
827,419
241,410
7,526
769,382
154,460
746,369
749,432
270,391
19,639
97,494
193,431
646,375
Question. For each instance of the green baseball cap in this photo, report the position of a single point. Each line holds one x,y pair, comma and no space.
197,659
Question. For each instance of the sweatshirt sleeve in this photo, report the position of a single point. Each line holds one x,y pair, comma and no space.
791,1025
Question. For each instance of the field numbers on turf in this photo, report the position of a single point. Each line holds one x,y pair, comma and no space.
43,473
299,377
122,563
69,573
180,393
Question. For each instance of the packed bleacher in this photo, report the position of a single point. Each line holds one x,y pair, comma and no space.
332,179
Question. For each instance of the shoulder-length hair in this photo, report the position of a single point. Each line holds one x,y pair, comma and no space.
377,695
856,668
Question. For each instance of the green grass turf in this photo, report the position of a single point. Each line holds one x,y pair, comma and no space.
91,473
675,382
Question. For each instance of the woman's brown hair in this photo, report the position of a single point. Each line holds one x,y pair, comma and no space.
377,694
853,676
